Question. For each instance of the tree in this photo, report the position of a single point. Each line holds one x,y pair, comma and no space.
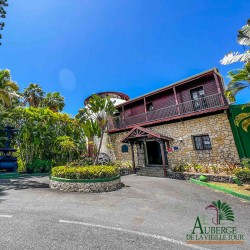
54,101
44,135
3,4
8,88
243,38
240,78
99,110
90,127
33,95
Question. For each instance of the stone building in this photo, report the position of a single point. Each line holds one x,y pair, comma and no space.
185,122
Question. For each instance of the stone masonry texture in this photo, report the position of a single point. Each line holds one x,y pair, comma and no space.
217,126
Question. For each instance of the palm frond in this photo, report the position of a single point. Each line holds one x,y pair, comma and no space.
12,85
233,89
235,57
244,34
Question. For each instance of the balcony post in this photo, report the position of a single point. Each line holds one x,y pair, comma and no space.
163,158
219,88
176,101
133,156
145,108
123,117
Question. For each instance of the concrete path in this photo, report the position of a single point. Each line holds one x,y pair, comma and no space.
148,213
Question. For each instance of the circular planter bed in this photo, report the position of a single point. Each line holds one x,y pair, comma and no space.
87,180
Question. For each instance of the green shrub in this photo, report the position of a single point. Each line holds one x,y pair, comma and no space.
243,174
215,169
179,168
83,160
205,169
245,163
85,172
197,168
39,166
188,168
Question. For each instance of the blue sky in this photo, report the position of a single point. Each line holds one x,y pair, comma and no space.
81,47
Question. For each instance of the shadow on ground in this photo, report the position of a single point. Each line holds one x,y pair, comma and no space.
21,183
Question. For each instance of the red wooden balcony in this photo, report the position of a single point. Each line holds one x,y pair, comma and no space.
191,107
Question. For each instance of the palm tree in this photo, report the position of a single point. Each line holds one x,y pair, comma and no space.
239,80
243,38
98,110
90,128
8,88
33,95
54,101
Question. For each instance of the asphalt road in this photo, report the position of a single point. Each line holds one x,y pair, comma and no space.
148,213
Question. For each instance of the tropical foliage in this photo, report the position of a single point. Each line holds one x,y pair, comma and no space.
45,135
33,95
8,89
95,118
240,78
243,38
3,4
85,172
54,101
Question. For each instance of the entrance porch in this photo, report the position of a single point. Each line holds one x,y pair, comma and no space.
150,148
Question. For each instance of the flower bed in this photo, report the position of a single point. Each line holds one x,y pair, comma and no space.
85,179
210,177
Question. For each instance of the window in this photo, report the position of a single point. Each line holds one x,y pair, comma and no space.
150,106
198,97
202,142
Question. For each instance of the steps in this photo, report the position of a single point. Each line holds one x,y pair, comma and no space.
151,171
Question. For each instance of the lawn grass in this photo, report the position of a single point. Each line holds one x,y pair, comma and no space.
245,189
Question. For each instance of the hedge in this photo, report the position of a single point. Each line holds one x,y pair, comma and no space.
85,172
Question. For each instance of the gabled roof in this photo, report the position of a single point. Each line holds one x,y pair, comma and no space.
139,132
169,86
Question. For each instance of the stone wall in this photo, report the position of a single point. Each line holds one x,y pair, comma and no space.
217,126
210,177
86,187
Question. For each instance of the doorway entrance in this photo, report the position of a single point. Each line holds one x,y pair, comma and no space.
154,153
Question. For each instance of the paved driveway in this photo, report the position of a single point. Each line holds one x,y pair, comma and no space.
148,213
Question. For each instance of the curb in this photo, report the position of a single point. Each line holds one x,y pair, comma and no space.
225,190
53,178
16,175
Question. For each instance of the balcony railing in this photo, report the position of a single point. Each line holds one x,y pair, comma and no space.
194,106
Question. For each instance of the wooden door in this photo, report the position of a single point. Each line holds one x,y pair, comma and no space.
140,154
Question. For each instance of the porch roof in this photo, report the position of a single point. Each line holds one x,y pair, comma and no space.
139,132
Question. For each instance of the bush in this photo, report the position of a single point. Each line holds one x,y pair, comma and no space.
39,166
85,172
245,163
180,168
243,174
83,160
197,168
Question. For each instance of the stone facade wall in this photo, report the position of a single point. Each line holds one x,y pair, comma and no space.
217,126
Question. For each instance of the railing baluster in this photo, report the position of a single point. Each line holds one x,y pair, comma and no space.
192,106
